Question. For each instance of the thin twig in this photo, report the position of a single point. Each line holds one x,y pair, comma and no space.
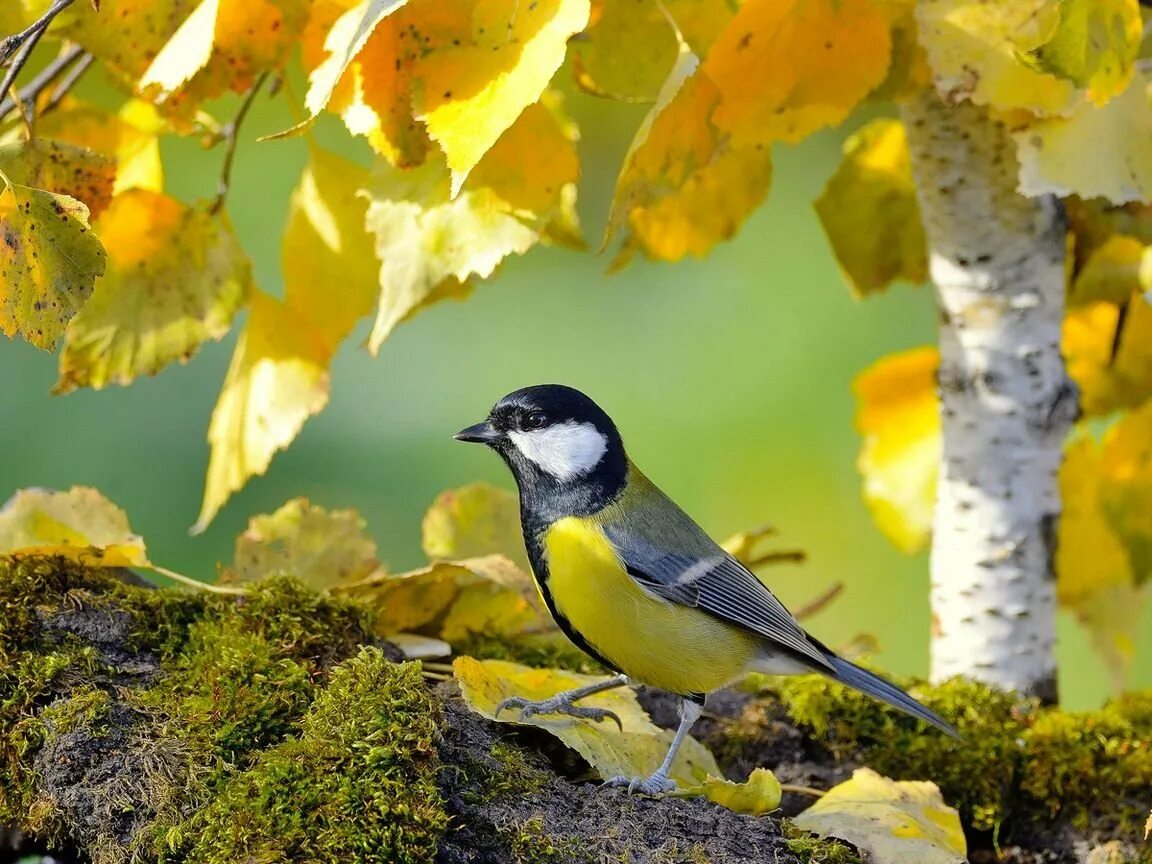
32,34
1118,334
63,88
231,134
43,80
802,790
194,583
19,60
814,606
784,556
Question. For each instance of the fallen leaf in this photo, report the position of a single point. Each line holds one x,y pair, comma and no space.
63,169
892,822
1094,45
473,521
1061,156
785,68
757,795
1094,577
976,50
420,647
278,379
322,548
634,752
80,524
166,291
897,413
684,186
326,244
628,52
871,213
49,261
1112,371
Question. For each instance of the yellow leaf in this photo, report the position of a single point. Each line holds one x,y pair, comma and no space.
1094,45
1064,156
870,211
507,52
129,137
452,599
327,254
975,48
898,415
430,244
125,34
628,52
785,68
63,169
1094,578
684,186
635,751
176,276
1126,487
49,260
277,380
80,524
187,52
1112,272
1113,371
472,521
908,72
700,22
892,822
757,795
320,547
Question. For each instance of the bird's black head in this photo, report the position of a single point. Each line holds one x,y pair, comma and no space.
555,439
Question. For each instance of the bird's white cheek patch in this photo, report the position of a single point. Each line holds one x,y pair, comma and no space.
566,450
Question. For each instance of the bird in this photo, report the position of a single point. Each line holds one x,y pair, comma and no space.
635,582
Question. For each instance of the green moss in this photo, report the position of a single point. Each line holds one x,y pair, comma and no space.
545,650
358,784
530,843
811,849
1016,761
518,775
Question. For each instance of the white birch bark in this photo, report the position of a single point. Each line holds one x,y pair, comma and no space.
997,260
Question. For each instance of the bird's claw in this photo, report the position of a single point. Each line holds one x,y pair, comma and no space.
558,706
657,784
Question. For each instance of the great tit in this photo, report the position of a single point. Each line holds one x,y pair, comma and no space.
633,581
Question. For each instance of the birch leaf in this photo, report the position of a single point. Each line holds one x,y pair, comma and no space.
785,68
1094,45
431,245
870,211
322,548
277,380
1126,487
700,22
1060,156
898,415
892,822
628,51
129,137
1113,370
1111,244
80,524
684,186
49,261
473,521
976,49
187,52
757,795
142,29
1094,578
326,244
167,290
635,751
63,169
508,51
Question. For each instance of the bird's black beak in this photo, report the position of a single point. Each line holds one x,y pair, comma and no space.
481,433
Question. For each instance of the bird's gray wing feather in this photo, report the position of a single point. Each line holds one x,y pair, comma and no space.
714,581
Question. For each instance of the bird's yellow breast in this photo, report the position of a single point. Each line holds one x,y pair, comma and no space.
656,642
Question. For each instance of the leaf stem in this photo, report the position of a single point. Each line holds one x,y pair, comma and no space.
195,583
231,135
814,606
47,76
802,790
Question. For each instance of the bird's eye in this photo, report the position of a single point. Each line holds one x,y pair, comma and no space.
535,420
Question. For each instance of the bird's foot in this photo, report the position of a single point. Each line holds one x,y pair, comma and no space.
658,784
558,704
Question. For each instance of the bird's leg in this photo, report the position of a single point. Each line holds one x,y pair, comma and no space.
660,782
563,703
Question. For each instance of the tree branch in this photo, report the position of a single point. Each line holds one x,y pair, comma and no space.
48,75
231,134
32,35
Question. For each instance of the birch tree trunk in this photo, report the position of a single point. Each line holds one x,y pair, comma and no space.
997,260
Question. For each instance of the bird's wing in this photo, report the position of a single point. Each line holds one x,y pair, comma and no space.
710,579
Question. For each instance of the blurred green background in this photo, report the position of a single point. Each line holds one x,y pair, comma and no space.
730,379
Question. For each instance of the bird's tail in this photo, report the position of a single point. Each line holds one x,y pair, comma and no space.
867,682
